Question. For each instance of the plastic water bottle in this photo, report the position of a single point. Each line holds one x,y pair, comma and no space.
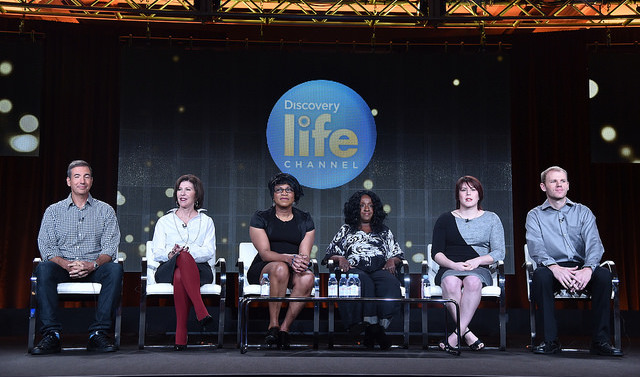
265,285
424,286
342,286
333,286
357,290
351,286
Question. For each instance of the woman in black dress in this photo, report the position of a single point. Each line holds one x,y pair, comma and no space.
283,236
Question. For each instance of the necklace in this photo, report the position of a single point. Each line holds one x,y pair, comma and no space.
457,214
284,219
186,227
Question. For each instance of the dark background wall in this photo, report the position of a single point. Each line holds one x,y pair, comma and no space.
549,125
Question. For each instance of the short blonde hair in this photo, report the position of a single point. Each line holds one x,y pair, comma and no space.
543,175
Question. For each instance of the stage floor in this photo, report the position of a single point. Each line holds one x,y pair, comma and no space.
344,360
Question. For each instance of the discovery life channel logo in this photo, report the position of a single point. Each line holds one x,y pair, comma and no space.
322,132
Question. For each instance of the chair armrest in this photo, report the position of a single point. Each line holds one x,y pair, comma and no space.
221,263
501,277
241,277
611,266
316,276
143,269
405,276
425,267
36,261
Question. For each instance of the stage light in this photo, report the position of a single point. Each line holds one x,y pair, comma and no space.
6,68
169,192
386,208
417,258
408,244
608,134
456,82
24,143
367,184
626,151
28,123
374,112
128,238
5,106
146,229
160,214
120,199
593,89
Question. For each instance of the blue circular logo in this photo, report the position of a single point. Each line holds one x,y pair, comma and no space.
322,132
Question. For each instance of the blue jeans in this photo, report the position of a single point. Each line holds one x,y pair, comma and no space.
49,274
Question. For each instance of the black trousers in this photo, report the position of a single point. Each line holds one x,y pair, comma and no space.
373,284
544,286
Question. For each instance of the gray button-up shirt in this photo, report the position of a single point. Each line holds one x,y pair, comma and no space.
569,234
73,233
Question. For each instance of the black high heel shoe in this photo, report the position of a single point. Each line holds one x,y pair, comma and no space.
205,321
273,336
446,347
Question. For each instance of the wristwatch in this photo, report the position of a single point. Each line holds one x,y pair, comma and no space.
95,265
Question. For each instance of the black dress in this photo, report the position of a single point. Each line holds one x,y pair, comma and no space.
284,236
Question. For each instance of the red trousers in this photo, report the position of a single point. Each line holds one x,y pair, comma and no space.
186,292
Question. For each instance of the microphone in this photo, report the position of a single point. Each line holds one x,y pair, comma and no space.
184,225
561,219
466,220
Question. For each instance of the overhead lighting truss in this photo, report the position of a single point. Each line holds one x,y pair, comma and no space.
568,14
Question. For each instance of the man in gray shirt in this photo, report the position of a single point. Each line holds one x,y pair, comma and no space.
78,241
563,240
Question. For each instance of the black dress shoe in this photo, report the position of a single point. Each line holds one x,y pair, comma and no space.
547,348
284,340
605,349
99,341
180,347
273,336
50,343
204,322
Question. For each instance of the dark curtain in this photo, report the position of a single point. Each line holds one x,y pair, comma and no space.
80,120
550,126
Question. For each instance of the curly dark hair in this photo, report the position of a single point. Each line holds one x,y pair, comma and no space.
352,211
285,178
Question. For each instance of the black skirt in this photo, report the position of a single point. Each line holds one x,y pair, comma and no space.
164,273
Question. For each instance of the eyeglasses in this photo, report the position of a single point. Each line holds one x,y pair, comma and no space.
280,190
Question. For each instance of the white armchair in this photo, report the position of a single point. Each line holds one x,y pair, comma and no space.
74,291
494,292
246,254
149,287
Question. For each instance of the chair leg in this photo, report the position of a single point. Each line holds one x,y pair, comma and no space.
316,324
425,327
503,326
32,317
118,326
407,317
617,339
221,317
142,325
532,322
239,330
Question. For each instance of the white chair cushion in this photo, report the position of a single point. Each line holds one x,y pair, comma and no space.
80,288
